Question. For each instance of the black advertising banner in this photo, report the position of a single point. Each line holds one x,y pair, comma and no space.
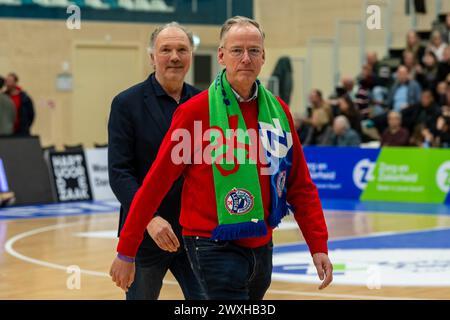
24,172
70,176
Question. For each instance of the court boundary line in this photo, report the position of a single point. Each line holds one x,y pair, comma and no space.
10,250
371,235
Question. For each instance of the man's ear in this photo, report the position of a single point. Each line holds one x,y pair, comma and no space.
264,56
152,59
220,56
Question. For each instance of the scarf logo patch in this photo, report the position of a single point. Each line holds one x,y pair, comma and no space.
239,201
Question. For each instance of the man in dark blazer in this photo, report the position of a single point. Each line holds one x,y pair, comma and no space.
139,119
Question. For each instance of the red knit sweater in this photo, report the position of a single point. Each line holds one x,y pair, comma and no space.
198,215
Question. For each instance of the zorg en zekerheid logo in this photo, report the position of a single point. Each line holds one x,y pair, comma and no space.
363,173
443,177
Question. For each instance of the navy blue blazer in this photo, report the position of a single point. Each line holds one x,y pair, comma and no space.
136,128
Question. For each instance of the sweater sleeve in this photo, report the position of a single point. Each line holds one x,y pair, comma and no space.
164,171
303,196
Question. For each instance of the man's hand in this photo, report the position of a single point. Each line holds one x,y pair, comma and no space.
161,232
122,273
324,269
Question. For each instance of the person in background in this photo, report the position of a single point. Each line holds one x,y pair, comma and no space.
410,62
348,84
320,130
441,92
373,62
405,91
7,112
442,139
139,119
317,102
422,137
444,29
436,45
395,135
347,108
413,44
366,82
425,112
24,105
427,74
444,66
343,135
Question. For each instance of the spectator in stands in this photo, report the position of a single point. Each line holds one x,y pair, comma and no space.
300,127
444,29
405,91
427,75
317,102
447,96
413,44
367,77
366,82
7,112
436,45
343,135
348,84
445,101
410,62
305,124
426,112
395,135
380,92
319,131
422,137
372,60
347,108
441,92
23,103
442,139
444,66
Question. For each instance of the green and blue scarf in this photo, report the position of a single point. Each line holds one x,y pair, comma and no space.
236,182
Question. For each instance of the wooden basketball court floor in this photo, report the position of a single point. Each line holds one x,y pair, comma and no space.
380,251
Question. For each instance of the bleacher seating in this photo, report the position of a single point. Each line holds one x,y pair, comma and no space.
11,2
132,5
97,4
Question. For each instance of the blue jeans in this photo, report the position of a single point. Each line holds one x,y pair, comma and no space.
149,277
230,272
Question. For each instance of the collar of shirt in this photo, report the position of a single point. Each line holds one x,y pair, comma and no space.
253,97
159,91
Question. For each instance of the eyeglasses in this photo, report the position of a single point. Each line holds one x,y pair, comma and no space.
238,52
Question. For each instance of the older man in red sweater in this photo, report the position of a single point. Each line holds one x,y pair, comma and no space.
239,175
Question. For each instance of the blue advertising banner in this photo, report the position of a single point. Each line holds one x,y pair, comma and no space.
340,173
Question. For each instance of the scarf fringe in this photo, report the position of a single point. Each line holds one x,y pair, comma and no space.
239,230
276,216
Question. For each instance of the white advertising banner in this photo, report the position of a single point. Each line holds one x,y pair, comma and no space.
97,165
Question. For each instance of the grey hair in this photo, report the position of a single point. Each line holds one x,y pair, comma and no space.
398,114
175,24
343,120
239,20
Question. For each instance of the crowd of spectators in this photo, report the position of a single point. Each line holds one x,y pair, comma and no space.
404,106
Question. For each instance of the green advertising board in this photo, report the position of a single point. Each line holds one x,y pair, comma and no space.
410,175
